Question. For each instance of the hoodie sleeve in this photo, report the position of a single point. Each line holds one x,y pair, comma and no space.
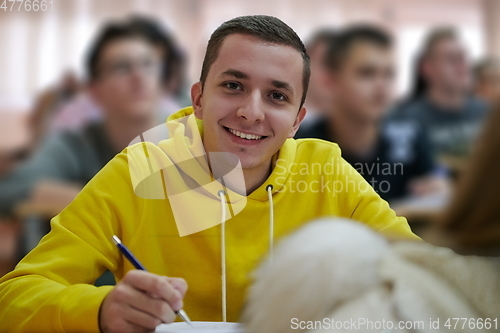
51,289
56,160
357,200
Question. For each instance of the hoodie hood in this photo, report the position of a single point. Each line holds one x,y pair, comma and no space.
170,162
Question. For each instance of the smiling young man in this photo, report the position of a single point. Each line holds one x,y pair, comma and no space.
248,104
251,111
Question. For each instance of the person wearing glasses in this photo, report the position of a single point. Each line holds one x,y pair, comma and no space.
125,74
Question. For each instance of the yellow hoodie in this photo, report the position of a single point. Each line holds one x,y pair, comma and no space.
51,288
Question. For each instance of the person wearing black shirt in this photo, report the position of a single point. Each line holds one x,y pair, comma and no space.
441,99
391,152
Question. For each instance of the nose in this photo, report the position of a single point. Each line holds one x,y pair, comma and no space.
253,109
138,77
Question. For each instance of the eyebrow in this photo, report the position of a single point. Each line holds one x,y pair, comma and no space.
282,85
235,73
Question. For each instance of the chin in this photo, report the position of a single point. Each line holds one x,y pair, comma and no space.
252,162
247,162
249,157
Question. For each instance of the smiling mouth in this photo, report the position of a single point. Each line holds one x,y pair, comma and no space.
243,135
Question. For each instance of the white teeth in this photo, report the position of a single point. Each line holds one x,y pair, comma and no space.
245,136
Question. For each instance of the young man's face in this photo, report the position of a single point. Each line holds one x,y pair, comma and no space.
128,84
447,66
363,83
251,98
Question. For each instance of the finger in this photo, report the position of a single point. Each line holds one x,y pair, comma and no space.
155,285
179,284
148,304
141,321
168,315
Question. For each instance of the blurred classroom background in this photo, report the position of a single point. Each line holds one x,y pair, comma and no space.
42,70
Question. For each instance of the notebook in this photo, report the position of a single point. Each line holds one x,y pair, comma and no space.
200,327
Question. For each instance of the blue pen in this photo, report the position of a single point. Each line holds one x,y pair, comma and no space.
133,260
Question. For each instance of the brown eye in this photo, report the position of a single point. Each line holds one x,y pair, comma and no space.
232,85
278,96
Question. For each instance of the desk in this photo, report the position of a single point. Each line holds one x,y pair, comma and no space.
422,209
47,199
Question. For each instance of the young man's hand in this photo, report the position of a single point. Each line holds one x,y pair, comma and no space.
140,302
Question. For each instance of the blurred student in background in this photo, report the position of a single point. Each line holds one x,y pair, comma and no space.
441,100
391,154
487,80
366,276
84,109
319,97
125,70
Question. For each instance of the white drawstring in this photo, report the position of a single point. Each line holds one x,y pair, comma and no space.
223,253
221,193
269,189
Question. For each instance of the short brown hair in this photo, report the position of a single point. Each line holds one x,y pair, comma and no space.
267,28
437,35
112,32
338,47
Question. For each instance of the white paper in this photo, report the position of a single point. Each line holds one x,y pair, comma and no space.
200,327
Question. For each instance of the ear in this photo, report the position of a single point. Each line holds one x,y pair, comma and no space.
196,99
300,117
